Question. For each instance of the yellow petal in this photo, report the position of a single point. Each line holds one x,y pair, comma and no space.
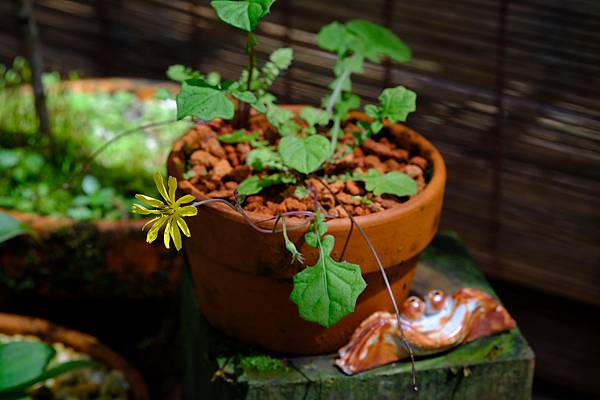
187,211
153,232
166,235
151,201
176,235
138,209
185,199
172,189
160,185
150,222
183,226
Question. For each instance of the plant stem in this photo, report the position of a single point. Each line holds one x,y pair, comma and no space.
253,223
99,150
337,90
242,119
385,279
335,131
34,49
251,59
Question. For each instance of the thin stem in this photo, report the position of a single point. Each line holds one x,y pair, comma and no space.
335,130
99,150
251,59
385,279
242,119
253,223
337,90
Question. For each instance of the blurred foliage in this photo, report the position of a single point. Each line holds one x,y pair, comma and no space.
33,181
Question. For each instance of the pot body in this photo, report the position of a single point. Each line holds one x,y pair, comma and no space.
243,278
65,259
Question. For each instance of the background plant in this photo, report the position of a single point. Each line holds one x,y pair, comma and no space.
82,122
25,363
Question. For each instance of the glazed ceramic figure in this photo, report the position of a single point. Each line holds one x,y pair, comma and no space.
431,326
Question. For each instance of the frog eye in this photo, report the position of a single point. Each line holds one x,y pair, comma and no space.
413,308
436,300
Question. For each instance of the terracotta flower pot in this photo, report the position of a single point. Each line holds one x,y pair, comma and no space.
243,278
12,324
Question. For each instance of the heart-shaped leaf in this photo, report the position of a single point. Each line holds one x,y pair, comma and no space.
396,183
198,99
245,14
397,103
377,41
304,154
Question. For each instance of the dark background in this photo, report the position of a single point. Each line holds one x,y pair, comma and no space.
508,90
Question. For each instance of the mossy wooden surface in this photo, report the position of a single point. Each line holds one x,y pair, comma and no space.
497,367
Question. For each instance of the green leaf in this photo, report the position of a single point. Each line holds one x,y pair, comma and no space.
238,136
182,73
353,63
327,291
376,126
396,183
11,227
278,116
53,372
333,37
22,362
304,154
282,58
198,99
245,14
315,116
346,103
259,159
249,186
254,184
301,192
163,94
397,103
372,110
378,41
246,97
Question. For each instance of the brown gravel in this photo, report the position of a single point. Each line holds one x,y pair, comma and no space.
219,168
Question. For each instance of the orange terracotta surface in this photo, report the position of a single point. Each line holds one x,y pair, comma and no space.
19,325
243,277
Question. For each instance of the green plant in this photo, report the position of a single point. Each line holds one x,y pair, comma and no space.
26,363
326,291
84,182
11,227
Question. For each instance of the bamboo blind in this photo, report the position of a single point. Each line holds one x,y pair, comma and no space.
508,90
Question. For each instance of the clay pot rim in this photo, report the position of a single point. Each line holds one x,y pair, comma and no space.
419,201
13,324
111,84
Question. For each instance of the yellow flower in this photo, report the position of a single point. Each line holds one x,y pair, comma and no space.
170,213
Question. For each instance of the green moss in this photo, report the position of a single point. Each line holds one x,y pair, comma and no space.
262,363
